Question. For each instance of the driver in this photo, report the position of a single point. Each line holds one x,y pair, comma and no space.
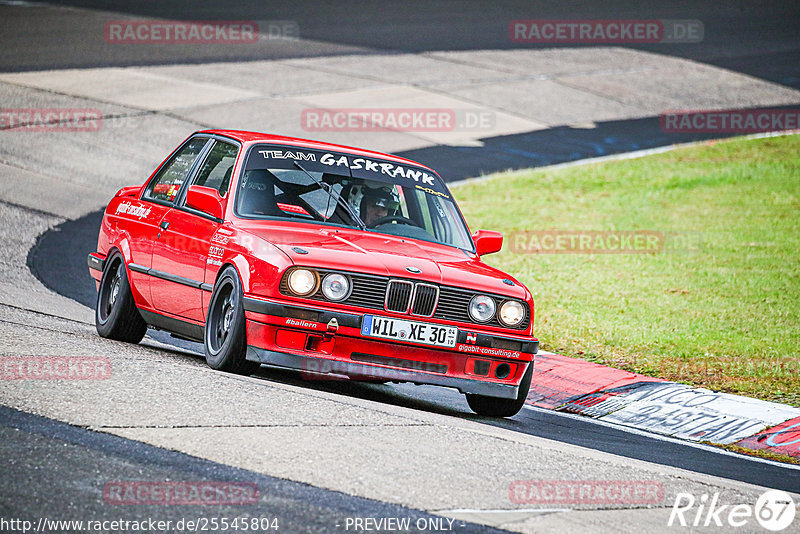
377,203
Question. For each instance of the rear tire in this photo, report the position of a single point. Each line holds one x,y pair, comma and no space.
225,339
497,407
115,314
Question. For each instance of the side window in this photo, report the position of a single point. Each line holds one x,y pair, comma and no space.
167,183
218,167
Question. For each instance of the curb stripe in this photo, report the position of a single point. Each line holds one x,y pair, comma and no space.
782,439
654,405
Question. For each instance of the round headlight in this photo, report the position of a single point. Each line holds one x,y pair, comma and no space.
302,282
512,313
335,286
481,308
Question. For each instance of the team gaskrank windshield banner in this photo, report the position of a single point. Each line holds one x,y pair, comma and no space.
285,157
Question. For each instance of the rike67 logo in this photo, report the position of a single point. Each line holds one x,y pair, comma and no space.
774,510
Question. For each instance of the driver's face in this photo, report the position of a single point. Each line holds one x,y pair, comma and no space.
374,213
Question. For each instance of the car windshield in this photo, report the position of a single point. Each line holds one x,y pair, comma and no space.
388,198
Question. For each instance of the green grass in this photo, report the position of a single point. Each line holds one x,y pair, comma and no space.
723,314
758,453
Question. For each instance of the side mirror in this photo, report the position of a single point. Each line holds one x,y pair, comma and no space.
205,199
487,242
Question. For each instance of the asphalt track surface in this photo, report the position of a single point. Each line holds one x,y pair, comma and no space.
77,460
757,40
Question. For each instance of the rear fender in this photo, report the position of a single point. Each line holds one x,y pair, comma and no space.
138,281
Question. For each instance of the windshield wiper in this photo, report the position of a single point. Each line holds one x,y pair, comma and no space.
339,200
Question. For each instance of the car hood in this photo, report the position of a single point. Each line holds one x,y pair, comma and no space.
353,250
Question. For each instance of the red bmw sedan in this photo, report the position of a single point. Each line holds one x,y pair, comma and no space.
322,258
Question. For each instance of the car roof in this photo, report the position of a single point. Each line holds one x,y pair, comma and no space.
257,137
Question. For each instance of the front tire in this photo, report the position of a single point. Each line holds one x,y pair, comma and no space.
224,339
497,407
115,314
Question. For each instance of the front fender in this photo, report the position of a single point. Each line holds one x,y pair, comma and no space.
259,264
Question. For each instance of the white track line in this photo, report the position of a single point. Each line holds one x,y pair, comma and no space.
625,155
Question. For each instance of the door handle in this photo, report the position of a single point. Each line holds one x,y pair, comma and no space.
164,225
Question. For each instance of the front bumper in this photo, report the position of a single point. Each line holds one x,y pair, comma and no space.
307,339
96,262
312,365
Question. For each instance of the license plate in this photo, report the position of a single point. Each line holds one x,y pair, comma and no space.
402,330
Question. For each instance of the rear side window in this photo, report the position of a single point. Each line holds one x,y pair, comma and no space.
218,167
166,185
